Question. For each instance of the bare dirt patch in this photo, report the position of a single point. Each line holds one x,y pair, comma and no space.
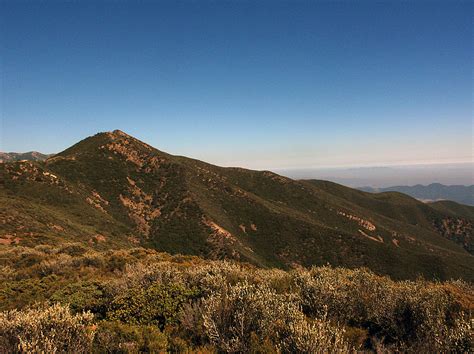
376,239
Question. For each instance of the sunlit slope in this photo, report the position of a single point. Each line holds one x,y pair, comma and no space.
112,190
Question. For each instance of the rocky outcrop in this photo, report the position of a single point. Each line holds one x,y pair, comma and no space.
140,207
364,223
458,230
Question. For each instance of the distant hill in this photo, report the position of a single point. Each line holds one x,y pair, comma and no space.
18,156
432,192
453,208
112,191
386,176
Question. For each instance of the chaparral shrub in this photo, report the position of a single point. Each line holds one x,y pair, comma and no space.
146,301
232,316
156,305
416,315
116,337
50,329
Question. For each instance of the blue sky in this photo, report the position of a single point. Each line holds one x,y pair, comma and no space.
261,84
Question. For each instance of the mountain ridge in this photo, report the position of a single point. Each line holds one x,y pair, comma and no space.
432,192
112,190
17,156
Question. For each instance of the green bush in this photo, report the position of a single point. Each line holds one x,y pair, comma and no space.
82,296
116,337
73,249
158,305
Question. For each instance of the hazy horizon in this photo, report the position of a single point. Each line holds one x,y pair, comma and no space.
389,176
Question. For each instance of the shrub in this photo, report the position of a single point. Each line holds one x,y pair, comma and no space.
6,272
461,337
220,305
232,316
410,315
91,259
116,337
142,275
312,336
82,296
45,329
73,249
157,305
116,262
57,265
191,322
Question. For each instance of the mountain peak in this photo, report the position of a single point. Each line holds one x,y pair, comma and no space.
120,136
118,132
116,141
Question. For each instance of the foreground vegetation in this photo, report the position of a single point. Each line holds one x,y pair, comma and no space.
73,299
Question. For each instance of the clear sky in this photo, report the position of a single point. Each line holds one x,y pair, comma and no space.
260,84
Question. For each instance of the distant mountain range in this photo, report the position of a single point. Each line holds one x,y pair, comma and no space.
432,192
460,173
30,156
112,191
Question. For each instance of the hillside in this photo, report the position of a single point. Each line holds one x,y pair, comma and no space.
432,192
453,208
15,156
114,191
